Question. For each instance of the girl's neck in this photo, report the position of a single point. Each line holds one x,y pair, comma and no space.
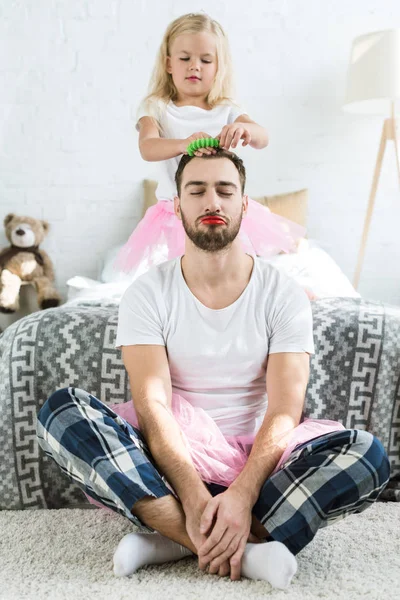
192,101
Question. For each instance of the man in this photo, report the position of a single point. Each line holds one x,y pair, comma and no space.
232,336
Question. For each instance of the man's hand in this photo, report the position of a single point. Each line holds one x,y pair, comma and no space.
226,521
232,134
193,519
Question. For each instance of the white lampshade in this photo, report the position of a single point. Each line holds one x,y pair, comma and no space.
373,80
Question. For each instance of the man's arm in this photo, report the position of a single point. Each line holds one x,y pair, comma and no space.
287,378
150,381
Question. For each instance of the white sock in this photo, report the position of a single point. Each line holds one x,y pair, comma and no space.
138,549
270,561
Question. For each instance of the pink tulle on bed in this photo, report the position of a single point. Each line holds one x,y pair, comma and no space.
218,458
160,236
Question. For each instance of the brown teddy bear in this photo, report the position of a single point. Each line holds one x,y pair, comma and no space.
23,261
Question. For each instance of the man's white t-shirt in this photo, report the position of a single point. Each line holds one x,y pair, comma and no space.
218,358
179,122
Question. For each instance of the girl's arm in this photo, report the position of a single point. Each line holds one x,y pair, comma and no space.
153,147
243,128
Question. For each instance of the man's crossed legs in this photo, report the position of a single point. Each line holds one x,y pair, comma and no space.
322,481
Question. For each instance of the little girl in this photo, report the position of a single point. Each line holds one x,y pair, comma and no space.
190,98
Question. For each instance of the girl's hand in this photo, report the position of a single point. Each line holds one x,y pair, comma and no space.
194,137
231,134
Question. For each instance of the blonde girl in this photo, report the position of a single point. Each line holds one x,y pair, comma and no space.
190,97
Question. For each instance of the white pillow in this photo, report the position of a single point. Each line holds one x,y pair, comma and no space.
109,273
315,270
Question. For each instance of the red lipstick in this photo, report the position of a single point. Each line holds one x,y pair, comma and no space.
213,220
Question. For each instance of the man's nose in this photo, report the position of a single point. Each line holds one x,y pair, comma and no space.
213,202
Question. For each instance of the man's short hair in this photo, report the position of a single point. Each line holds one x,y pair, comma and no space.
219,154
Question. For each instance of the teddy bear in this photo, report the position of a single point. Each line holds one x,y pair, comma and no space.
24,261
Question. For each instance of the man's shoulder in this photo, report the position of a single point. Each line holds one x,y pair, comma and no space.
275,282
154,281
271,275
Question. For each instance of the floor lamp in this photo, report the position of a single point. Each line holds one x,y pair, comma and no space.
373,86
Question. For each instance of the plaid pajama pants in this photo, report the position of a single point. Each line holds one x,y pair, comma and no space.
322,481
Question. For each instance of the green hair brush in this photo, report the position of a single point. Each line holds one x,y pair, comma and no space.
202,143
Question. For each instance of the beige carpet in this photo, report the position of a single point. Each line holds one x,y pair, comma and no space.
61,554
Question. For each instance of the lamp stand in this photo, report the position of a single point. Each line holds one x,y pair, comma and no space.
388,133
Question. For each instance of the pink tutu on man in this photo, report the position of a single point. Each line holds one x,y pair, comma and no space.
217,458
160,236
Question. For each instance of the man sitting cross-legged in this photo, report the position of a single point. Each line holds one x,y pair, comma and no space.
230,336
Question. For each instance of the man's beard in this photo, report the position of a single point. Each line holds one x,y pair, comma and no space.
214,237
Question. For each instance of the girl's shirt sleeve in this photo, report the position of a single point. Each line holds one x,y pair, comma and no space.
235,112
150,108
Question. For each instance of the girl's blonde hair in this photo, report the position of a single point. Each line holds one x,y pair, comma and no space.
161,85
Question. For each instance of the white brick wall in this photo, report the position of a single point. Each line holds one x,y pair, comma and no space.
73,71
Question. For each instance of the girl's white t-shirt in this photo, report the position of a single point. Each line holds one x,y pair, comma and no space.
218,358
179,122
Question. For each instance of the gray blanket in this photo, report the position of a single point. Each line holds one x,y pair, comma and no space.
355,375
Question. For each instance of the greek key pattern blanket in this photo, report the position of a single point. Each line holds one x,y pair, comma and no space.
355,375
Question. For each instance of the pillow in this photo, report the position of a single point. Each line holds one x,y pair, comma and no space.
315,271
149,189
109,273
292,206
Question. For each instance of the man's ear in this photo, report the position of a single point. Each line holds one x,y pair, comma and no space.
177,207
245,204
168,65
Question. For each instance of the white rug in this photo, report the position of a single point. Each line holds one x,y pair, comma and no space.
67,553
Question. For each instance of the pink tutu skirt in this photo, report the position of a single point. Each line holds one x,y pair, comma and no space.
217,458
160,236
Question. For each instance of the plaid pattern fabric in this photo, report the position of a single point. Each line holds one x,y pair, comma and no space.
106,456
322,481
